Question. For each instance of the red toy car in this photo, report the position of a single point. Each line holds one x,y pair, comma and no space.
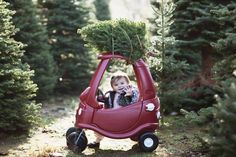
137,121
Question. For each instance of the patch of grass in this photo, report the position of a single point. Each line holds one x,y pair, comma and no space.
45,152
62,100
114,153
71,102
57,107
180,137
47,121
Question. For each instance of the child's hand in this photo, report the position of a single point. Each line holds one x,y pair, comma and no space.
128,90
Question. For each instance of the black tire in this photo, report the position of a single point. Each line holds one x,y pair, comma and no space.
148,142
72,129
77,142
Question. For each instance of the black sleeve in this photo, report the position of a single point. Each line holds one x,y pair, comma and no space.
109,95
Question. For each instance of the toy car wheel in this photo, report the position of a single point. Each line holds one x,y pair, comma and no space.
72,129
77,142
148,142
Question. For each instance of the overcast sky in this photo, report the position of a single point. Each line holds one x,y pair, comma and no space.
131,9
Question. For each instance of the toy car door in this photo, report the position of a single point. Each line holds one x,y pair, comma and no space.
118,120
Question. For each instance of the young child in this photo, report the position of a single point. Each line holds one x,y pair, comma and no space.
123,94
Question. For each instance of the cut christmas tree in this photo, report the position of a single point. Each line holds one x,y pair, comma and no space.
118,36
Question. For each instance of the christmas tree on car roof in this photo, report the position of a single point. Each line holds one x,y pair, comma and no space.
121,36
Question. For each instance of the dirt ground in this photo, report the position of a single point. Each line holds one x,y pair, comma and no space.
49,141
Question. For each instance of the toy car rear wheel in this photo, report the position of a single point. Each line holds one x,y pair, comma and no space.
77,142
148,142
72,129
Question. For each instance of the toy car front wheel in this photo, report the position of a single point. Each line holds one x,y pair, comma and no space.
77,142
148,142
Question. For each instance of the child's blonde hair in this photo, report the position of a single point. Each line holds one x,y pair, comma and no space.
118,75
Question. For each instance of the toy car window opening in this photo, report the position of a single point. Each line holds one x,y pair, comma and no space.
105,89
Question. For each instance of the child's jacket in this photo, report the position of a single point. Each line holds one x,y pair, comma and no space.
122,99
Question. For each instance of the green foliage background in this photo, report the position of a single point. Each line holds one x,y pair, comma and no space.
37,50
102,10
73,60
224,129
18,110
192,58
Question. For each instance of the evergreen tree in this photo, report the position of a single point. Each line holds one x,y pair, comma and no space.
195,29
224,128
165,69
102,9
18,111
64,17
226,46
223,141
37,54
123,36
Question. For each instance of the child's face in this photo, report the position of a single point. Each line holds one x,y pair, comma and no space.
119,85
